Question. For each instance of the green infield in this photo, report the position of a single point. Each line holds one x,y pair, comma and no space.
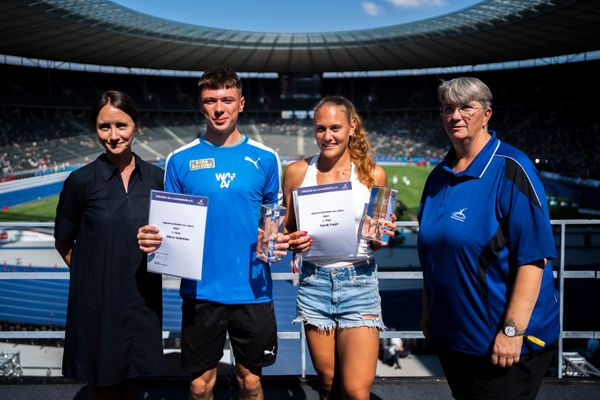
410,181
409,192
43,210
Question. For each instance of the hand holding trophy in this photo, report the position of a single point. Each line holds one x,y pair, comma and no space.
377,218
270,229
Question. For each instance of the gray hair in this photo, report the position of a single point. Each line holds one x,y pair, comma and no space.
463,90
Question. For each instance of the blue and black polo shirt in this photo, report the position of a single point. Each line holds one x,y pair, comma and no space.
476,228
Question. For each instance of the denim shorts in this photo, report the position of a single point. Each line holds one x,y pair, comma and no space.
339,297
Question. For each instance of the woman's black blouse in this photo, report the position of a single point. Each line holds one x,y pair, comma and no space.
114,316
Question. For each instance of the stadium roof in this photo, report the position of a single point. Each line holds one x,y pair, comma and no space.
104,33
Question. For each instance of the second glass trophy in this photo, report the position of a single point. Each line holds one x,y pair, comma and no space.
381,204
270,226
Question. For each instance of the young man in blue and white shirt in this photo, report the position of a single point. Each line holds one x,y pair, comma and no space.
238,175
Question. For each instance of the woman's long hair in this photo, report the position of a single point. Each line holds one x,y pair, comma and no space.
359,147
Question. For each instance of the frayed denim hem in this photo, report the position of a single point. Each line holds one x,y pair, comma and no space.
328,326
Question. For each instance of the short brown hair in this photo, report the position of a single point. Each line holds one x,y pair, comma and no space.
219,77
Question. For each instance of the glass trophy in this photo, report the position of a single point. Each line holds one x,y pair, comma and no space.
270,226
381,204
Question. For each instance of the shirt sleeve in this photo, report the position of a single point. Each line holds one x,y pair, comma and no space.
425,193
421,204
69,210
272,192
525,214
172,182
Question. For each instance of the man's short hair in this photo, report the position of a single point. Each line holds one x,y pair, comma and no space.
219,77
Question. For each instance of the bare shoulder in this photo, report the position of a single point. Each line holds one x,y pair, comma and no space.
380,176
294,172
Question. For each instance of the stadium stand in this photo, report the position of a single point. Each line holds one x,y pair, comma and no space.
548,112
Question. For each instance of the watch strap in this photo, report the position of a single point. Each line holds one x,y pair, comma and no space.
520,332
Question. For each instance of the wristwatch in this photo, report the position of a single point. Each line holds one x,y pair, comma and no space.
511,330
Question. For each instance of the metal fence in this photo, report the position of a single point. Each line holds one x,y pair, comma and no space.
559,273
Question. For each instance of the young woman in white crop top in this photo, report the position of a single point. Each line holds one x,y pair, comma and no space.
338,299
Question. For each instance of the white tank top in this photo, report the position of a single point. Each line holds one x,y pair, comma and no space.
361,194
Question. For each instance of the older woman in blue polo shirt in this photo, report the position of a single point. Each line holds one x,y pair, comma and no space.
489,301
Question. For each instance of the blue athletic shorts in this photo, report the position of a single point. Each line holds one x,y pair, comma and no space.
339,297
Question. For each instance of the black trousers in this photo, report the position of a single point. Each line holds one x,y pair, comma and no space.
474,377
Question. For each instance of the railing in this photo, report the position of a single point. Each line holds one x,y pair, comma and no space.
560,273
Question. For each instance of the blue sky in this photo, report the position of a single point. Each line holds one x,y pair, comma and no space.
296,16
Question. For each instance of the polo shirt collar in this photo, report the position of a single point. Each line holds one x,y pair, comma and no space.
107,169
479,165
242,140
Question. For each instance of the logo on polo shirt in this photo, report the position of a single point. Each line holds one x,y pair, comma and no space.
202,164
459,215
252,161
225,178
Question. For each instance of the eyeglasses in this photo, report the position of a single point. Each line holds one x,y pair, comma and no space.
465,111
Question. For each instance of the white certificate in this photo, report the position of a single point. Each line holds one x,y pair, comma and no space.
326,212
181,219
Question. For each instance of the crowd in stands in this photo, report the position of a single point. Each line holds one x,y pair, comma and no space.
408,136
24,327
547,112
566,143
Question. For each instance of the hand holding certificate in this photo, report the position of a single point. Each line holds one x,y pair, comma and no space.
327,213
182,220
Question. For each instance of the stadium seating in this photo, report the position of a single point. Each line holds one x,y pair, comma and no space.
548,112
